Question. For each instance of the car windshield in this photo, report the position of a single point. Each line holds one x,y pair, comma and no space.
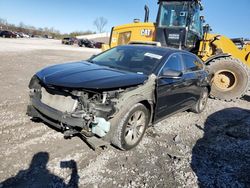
141,60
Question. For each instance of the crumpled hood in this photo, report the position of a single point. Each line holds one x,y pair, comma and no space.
88,76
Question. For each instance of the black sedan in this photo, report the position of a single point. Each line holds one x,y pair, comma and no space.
69,40
114,96
86,43
8,34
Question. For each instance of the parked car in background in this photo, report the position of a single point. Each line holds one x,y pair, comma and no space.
86,43
115,96
36,36
17,35
98,44
48,37
8,34
69,40
23,35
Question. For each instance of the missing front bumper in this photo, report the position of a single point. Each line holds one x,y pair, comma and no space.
39,110
65,121
33,112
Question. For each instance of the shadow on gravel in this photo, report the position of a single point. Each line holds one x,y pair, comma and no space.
222,157
37,175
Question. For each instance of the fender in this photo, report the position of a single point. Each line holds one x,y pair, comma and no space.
149,103
131,100
207,62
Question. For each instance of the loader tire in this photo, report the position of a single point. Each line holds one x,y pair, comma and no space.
231,79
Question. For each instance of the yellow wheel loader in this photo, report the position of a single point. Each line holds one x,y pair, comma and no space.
179,25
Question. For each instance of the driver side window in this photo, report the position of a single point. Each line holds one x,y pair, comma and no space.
173,63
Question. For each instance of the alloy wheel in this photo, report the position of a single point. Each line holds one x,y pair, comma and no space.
135,127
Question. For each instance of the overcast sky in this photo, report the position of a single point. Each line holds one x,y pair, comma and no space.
228,17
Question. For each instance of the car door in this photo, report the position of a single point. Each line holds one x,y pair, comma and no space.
170,92
193,70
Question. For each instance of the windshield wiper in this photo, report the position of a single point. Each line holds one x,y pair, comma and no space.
90,61
112,67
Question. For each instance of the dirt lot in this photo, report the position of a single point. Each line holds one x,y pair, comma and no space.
188,150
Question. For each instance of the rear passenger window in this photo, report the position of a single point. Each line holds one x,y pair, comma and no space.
191,63
174,63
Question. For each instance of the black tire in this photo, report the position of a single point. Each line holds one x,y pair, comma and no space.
121,136
201,104
236,76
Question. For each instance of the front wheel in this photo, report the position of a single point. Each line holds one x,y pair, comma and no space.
131,127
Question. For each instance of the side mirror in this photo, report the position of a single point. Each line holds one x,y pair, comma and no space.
173,74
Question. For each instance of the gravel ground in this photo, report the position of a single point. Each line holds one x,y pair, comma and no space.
186,150
14,45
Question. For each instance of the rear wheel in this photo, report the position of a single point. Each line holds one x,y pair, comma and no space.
131,127
201,103
231,79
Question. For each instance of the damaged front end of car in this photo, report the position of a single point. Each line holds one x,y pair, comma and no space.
82,112
72,111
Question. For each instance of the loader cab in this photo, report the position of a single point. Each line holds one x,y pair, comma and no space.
179,24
